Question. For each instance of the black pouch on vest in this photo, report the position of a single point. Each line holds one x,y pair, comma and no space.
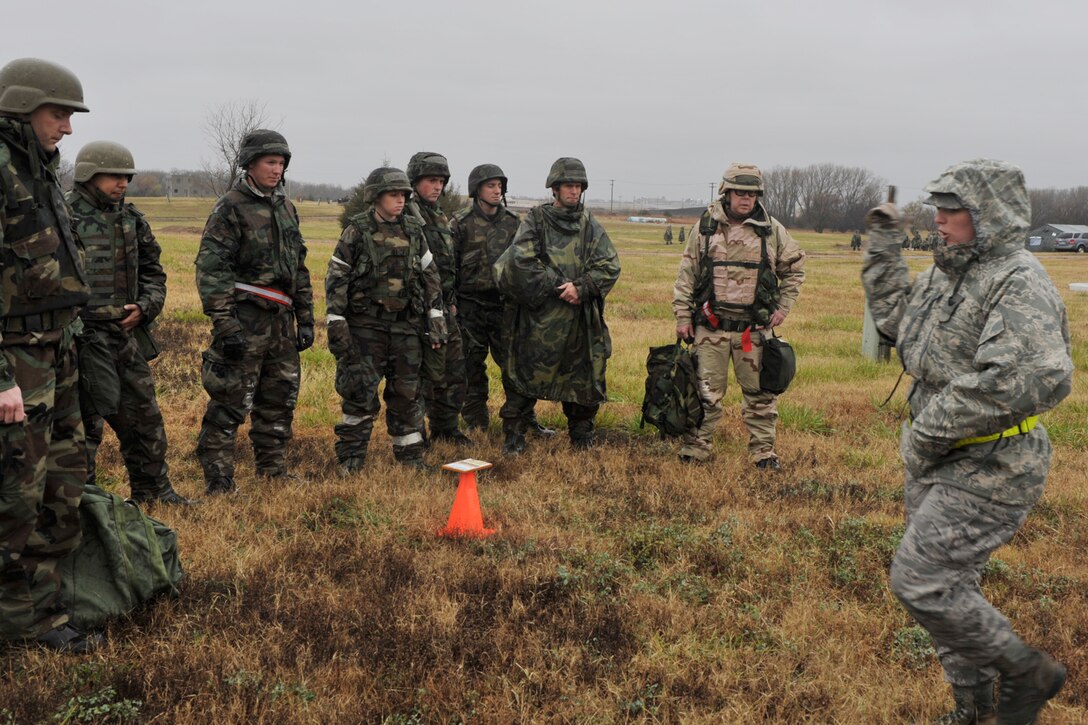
778,366
145,341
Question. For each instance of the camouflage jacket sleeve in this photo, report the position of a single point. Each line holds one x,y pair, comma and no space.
215,270
457,237
304,288
602,266
683,292
432,295
338,277
520,272
151,281
7,377
789,266
886,279
1021,366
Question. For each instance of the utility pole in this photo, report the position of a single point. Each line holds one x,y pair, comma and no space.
611,188
711,192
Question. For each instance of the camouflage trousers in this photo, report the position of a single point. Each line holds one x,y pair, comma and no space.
482,332
517,415
395,356
263,385
42,470
759,410
950,536
134,416
443,399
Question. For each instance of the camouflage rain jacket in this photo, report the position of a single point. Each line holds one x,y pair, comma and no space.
436,230
252,238
558,351
985,337
478,242
122,256
42,281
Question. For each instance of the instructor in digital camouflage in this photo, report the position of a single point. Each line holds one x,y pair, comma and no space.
384,304
739,277
985,337
429,174
254,285
42,286
128,289
481,233
556,274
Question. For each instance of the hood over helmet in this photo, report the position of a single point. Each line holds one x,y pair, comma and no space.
996,195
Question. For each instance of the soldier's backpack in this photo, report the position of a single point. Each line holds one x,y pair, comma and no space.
125,558
672,403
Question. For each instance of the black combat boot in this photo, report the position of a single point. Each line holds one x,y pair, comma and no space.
351,466
453,436
769,464
539,431
1029,677
974,706
221,485
69,640
411,456
165,494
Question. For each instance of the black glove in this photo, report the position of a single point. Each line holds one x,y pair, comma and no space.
233,346
305,338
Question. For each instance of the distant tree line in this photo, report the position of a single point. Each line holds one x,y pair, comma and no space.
153,182
1059,206
822,197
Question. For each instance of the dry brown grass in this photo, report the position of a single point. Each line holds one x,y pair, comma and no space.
621,586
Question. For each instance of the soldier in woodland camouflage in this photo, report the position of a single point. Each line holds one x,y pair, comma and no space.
429,174
738,279
42,286
128,288
481,233
384,304
556,274
254,285
985,337
668,234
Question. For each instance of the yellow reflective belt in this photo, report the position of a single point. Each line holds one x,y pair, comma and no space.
1021,428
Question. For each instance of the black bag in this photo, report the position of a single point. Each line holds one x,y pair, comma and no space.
124,559
672,403
778,366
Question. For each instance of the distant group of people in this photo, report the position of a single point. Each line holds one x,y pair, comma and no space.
420,300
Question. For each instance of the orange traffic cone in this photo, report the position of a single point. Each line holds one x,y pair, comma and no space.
466,520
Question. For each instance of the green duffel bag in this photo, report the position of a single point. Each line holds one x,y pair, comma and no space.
124,559
778,366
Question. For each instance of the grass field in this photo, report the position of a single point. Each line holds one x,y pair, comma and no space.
622,586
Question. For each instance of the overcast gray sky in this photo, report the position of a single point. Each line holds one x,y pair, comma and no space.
659,96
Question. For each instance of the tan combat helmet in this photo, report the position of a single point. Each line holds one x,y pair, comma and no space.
27,83
743,177
103,157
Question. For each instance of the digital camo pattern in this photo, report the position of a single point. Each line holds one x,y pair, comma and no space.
384,301
558,351
42,470
479,240
986,340
254,239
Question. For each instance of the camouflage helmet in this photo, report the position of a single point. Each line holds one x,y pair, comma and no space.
263,142
482,173
103,157
428,163
745,177
567,170
27,83
385,178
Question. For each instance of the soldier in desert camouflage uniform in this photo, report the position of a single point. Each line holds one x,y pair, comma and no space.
481,233
429,174
384,303
128,288
985,337
42,285
254,285
556,274
739,277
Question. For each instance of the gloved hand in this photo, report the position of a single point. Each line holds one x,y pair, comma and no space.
885,216
339,339
305,338
232,346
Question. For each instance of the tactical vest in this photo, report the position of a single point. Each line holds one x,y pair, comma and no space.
482,242
436,230
110,243
387,279
42,274
767,293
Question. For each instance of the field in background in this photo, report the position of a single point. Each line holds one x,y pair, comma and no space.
621,586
